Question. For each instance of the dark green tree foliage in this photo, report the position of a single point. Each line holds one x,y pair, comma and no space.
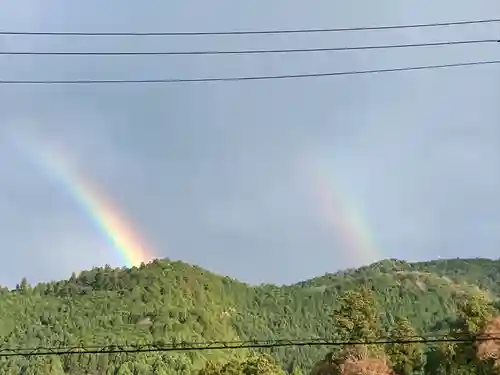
357,316
255,365
473,312
406,358
168,301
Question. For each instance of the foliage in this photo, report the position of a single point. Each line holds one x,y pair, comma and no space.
357,316
354,360
407,358
255,365
167,301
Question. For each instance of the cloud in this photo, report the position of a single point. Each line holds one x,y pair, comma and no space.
211,173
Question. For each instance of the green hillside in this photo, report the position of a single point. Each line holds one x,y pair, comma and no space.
168,301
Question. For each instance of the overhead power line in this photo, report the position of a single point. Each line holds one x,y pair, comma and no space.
250,32
221,345
245,78
247,52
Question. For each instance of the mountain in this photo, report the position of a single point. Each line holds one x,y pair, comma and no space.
167,301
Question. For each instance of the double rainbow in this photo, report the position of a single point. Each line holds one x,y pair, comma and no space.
336,209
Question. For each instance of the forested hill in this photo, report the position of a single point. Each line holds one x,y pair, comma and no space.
167,301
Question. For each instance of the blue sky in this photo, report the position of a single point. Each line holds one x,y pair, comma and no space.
209,173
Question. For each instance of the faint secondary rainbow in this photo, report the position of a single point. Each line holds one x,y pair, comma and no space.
118,232
342,214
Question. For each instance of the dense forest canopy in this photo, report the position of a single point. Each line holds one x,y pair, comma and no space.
169,301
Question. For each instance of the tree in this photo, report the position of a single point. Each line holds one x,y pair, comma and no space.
255,365
405,358
56,367
169,302
24,286
357,316
354,360
124,369
473,312
488,351
297,371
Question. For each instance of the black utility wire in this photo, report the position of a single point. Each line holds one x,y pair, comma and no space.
248,52
253,32
186,346
246,78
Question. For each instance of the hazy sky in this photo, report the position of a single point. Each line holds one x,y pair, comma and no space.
217,174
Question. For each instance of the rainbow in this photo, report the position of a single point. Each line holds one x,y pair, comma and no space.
118,232
342,215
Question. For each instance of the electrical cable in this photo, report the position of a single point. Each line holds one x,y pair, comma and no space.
232,345
253,32
246,78
247,52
